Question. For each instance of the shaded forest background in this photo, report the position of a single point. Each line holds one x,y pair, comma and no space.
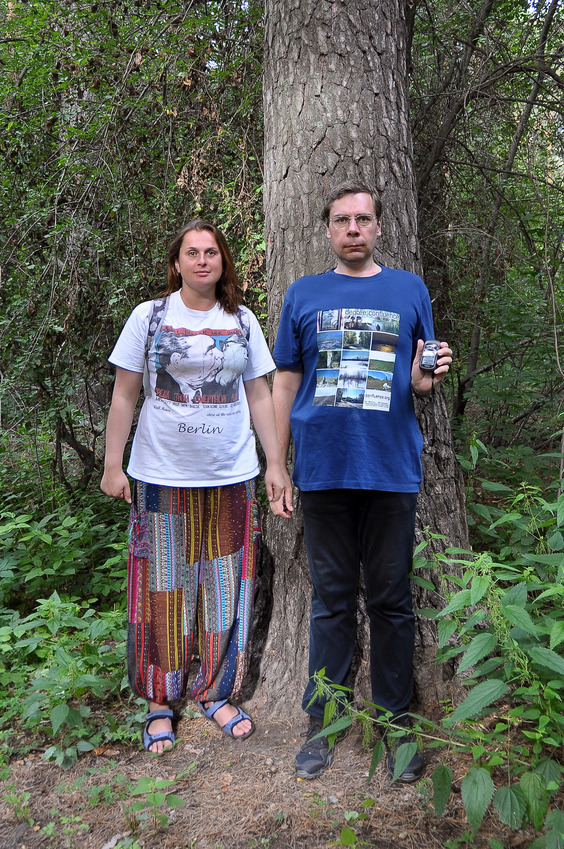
120,121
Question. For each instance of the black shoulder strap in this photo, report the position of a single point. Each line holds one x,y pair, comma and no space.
244,322
155,321
157,315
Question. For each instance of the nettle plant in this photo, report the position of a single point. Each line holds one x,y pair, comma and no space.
61,659
503,622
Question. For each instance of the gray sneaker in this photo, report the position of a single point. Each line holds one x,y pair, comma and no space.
316,755
415,768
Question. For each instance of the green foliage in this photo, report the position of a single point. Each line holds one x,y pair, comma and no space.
56,660
71,550
149,810
119,123
18,801
64,830
488,154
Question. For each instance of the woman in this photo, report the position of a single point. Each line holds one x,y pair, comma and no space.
195,520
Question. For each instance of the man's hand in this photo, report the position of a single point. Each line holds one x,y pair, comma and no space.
284,505
422,381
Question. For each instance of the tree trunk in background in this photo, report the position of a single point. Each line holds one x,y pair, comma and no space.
335,103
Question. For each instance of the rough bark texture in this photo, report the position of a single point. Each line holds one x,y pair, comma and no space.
335,104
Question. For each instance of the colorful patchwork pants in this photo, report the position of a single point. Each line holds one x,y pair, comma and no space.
191,573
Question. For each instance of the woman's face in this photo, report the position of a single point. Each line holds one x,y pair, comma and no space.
200,265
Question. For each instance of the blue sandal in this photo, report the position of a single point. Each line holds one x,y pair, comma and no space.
231,723
149,739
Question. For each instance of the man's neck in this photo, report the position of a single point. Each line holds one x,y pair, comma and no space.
368,270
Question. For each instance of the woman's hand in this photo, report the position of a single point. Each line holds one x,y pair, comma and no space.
115,483
279,492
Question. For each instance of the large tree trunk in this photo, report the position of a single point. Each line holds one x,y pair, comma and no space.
335,103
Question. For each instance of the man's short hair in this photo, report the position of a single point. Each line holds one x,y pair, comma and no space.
351,187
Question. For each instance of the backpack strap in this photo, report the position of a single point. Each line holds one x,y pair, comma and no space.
244,323
155,321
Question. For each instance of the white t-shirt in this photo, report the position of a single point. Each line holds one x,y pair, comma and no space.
194,428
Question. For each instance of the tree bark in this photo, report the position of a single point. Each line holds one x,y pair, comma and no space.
335,104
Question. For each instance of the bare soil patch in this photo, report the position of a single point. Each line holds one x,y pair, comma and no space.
239,795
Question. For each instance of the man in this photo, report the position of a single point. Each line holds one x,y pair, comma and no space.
348,351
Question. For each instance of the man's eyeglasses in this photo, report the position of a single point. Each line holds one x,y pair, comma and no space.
340,222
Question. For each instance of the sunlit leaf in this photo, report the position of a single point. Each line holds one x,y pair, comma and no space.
478,698
481,645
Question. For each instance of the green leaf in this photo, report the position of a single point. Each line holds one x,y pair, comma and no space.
548,658
174,801
515,595
478,698
555,822
144,784
556,541
509,803
477,792
505,519
550,770
518,616
556,634
403,756
442,783
492,486
155,799
377,755
58,715
481,645
445,630
340,724
560,511
423,582
482,511
479,587
536,797
554,832
460,601
348,837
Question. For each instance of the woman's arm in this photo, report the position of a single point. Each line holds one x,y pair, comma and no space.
284,391
126,392
262,412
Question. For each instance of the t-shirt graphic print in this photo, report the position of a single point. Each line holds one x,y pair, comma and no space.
199,367
357,353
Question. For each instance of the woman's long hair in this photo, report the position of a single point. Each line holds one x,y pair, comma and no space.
228,290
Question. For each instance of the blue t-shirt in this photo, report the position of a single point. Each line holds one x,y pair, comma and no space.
353,421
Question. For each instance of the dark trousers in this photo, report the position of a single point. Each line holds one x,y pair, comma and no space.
345,528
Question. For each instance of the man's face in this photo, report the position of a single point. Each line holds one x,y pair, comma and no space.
353,245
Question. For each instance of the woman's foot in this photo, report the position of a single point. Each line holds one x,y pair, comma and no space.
159,726
227,712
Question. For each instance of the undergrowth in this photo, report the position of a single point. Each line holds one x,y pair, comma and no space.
501,621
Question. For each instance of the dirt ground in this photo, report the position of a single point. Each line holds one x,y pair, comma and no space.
237,794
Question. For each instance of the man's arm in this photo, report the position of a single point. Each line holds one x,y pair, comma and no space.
284,391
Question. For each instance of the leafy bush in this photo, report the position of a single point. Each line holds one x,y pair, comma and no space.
71,550
60,660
